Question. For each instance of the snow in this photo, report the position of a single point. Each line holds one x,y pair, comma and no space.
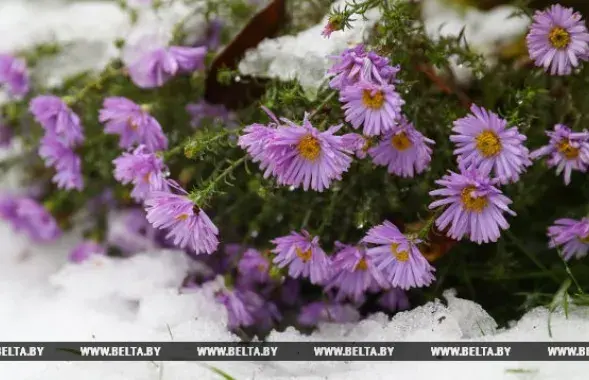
485,31
43,297
305,55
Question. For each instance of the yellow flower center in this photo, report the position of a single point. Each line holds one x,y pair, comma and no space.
146,178
399,255
182,217
559,37
488,143
570,152
373,101
361,265
304,255
134,126
401,142
309,147
471,203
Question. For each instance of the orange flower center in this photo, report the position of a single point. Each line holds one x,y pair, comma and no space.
399,255
401,142
304,255
488,143
570,152
362,265
373,101
476,204
559,37
309,147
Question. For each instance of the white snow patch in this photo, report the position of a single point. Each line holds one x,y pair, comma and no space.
485,31
44,298
305,56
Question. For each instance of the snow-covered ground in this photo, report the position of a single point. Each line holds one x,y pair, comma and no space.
43,297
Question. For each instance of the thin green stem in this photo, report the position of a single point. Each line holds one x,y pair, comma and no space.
326,100
523,249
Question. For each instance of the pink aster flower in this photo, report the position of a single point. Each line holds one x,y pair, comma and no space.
330,312
571,236
187,224
302,156
483,141
398,257
394,300
27,215
57,118
216,112
404,150
132,123
303,256
14,75
357,144
67,164
568,151
242,305
254,265
143,169
375,106
151,63
354,272
475,206
558,39
355,65
84,250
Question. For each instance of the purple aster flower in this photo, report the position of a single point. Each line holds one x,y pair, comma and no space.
27,215
404,150
188,225
67,164
131,232
303,256
302,156
242,306
316,312
212,37
483,141
254,265
84,250
5,135
354,272
266,316
355,64
255,139
14,75
204,110
558,39
132,123
394,299
572,236
290,291
398,257
57,118
151,65
357,144
568,151
475,206
143,169
376,106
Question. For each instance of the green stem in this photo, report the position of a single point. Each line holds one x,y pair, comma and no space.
109,72
322,104
521,247
201,195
